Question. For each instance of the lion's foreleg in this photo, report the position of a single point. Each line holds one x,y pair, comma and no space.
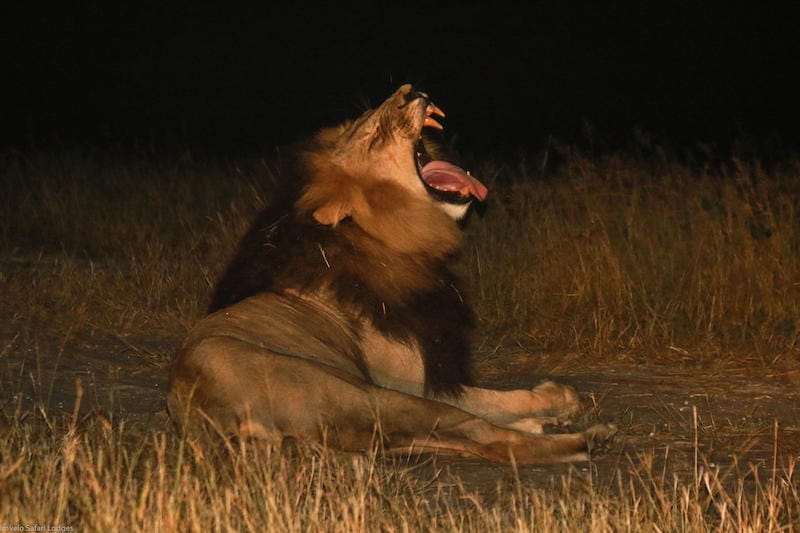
526,410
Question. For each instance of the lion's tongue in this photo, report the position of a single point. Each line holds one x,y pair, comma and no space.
446,176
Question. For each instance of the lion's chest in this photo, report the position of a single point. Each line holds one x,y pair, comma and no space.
393,364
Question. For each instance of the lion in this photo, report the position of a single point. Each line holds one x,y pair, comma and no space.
340,321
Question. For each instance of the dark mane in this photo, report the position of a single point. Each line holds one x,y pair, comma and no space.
286,249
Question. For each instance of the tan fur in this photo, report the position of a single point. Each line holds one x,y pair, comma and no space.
403,222
293,362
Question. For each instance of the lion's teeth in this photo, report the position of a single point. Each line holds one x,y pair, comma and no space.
431,123
429,120
434,110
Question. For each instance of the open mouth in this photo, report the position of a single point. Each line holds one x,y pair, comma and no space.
450,182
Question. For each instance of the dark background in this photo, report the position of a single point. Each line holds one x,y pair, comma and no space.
507,77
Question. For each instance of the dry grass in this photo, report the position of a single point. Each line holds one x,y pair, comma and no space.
87,474
613,257
616,253
120,242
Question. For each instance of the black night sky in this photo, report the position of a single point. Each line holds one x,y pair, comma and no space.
505,76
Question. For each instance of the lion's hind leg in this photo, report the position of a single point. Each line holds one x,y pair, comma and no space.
247,391
478,438
410,424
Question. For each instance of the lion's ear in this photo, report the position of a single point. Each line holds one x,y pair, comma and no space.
333,212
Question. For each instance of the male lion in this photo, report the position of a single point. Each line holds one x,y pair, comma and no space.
339,319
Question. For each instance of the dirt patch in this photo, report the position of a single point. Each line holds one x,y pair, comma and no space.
121,379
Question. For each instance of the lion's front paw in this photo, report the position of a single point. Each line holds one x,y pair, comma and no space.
599,436
554,399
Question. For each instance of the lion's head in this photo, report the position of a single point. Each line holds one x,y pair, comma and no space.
367,163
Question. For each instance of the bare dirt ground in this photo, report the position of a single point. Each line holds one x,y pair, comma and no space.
683,417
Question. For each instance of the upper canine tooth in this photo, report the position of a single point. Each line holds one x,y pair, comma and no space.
434,110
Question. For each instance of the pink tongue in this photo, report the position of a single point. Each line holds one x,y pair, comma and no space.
445,176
